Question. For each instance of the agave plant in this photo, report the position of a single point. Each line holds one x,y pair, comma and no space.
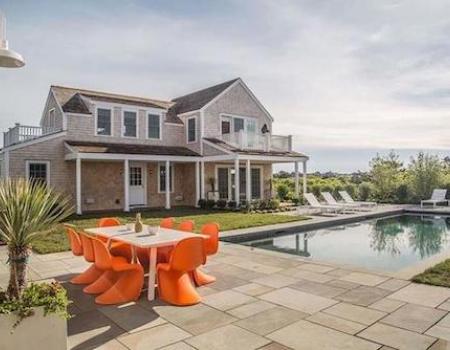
28,210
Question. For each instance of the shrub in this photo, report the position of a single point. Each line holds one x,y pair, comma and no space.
364,191
232,204
296,200
262,205
327,188
210,203
315,189
202,203
221,203
425,174
402,193
273,204
351,190
282,191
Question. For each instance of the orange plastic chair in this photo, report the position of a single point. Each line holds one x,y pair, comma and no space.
92,273
167,223
174,282
128,277
211,246
117,248
74,240
187,226
164,252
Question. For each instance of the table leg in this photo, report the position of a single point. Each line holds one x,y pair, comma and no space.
152,273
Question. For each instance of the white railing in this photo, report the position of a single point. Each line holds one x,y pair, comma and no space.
21,133
263,142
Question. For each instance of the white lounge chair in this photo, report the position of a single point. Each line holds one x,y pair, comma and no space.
324,208
332,201
437,197
349,200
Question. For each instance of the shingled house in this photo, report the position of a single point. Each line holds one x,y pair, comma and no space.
111,151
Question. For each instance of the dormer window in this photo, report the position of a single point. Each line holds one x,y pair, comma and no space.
129,127
192,129
51,118
154,126
103,122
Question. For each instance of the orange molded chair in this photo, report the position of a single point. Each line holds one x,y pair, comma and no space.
117,248
211,246
92,273
187,226
128,277
174,282
164,252
74,240
167,223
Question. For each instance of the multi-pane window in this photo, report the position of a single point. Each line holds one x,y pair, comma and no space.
226,127
129,124
238,124
154,126
135,176
256,183
223,183
103,121
162,178
191,133
38,171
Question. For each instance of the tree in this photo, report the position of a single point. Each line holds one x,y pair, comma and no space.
424,174
28,210
386,171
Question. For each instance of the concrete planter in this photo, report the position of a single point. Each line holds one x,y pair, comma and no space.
34,332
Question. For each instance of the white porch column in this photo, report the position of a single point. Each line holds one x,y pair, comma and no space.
126,185
167,184
202,180
304,177
297,189
248,184
78,184
236,181
197,183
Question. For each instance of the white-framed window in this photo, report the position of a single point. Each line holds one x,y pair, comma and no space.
129,123
191,129
103,121
51,118
154,126
225,182
162,178
38,170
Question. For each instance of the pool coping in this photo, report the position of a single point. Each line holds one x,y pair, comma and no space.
270,231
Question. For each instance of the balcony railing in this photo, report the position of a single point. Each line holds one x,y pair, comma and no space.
261,142
21,133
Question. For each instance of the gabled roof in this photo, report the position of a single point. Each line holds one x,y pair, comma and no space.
198,99
126,148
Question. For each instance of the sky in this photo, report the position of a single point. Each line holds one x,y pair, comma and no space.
348,78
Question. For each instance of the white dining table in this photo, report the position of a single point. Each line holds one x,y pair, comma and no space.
151,238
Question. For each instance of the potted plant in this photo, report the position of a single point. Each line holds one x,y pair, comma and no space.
28,210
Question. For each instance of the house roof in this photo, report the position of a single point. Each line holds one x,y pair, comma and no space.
125,148
198,99
230,148
74,100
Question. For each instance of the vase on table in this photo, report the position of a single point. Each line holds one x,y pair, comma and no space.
138,227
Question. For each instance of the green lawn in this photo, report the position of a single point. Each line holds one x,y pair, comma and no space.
438,275
57,241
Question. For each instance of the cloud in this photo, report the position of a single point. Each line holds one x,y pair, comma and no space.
335,73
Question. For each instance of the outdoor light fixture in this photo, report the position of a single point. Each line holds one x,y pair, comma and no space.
8,58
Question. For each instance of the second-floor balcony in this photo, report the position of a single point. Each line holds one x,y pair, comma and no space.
260,142
21,133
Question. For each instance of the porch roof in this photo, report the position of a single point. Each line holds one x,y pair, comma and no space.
121,148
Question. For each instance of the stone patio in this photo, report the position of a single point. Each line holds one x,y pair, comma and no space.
262,300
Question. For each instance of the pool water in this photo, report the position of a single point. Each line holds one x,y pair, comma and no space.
385,244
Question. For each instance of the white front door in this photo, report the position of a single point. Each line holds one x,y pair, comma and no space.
137,185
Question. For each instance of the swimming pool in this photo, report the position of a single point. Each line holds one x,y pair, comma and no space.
385,244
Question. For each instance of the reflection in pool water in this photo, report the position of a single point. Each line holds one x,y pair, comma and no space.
388,244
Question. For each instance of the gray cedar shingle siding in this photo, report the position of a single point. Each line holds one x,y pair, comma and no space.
197,99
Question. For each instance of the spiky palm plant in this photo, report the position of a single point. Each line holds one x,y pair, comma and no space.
28,210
